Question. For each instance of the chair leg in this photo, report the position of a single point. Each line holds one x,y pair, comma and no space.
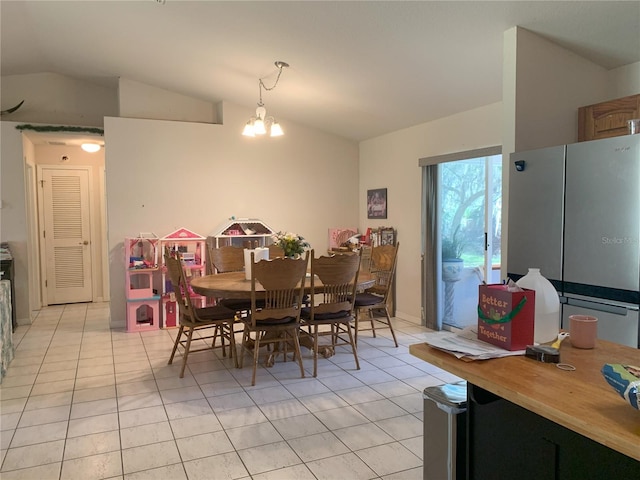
285,348
315,350
215,336
335,335
243,346
296,344
256,349
353,347
355,326
373,323
175,344
219,331
233,353
186,351
393,334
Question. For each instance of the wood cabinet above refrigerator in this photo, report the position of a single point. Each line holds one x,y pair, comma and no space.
607,119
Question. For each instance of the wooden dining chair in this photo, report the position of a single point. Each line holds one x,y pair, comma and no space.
218,318
226,259
332,302
277,323
365,258
375,299
275,251
230,259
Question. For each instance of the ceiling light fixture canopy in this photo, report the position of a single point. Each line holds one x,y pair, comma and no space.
261,123
90,147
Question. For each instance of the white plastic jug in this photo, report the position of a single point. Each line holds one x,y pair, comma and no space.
547,314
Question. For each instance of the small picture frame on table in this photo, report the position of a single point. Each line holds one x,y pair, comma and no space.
387,236
377,203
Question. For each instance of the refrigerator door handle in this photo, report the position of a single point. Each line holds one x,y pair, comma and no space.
602,307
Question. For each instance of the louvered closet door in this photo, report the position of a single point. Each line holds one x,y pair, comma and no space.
67,235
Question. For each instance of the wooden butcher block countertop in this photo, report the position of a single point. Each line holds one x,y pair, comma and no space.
579,400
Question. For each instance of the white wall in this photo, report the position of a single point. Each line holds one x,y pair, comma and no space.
391,161
56,99
137,100
551,84
14,226
163,175
625,81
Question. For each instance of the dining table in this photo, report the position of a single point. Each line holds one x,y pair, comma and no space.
235,285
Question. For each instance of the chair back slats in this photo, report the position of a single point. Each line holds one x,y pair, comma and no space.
227,259
280,299
283,281
336,293
365,258
383,266
180,286
339,277
383,257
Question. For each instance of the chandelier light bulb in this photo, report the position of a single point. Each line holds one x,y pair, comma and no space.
276,130
248,130
259,127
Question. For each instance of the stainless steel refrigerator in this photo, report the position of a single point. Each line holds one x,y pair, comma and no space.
574,212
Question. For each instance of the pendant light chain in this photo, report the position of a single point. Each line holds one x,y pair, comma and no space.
261,84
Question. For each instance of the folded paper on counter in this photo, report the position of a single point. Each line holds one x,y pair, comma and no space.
466,346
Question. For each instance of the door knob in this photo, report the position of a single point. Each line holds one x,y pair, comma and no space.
86,242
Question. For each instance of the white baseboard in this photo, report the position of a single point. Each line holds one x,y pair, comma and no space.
409,318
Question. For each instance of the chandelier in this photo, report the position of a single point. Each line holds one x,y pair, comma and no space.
260,123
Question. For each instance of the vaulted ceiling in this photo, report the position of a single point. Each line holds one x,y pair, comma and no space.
357,69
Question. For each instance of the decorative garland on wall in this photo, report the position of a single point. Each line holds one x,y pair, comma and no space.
60,128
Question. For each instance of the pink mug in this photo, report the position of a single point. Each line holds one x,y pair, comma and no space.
583,331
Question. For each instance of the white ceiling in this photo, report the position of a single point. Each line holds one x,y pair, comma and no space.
358,69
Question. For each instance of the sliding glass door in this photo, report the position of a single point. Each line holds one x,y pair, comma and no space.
461,233
471,201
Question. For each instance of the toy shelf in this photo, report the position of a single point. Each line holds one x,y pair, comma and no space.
143,303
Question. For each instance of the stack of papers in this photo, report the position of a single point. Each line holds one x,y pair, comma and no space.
465,345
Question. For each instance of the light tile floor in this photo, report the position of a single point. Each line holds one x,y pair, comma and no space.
82,401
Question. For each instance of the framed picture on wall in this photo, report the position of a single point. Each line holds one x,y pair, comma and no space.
377,203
